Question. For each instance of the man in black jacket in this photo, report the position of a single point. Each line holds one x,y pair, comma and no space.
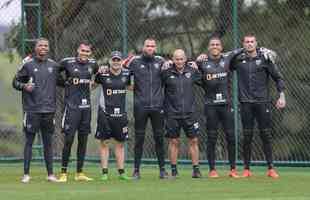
37,80
180,108
254,72
148,103
216,81
77,74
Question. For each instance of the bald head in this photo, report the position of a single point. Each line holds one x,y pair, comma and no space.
179,58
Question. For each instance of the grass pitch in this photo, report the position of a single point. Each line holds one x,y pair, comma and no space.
292,185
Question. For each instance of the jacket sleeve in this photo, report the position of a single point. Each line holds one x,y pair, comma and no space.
230,58
197,77
276,76
21,78
61,74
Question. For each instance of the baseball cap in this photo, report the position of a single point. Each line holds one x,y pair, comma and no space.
116,54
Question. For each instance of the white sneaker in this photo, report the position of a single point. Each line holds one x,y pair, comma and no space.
26,179
52,178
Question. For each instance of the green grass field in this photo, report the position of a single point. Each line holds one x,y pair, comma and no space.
292,185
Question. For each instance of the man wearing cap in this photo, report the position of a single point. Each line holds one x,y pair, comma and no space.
112,114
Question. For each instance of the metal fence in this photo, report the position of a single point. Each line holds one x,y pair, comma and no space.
283,26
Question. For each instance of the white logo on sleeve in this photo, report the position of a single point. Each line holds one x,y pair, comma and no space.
196,125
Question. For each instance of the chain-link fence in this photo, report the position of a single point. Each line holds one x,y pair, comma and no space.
283,26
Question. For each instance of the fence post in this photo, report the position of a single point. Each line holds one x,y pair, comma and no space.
125,27
125,46
235,78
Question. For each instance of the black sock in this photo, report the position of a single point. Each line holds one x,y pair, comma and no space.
64,170
121,171
137,170
173,167
81,151
195,167
104,170
162,169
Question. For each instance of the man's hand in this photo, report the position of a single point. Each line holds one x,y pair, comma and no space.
202,57
103,69
281,103
130,87
269,54
193,65
127,60
167,64
93,85
28,87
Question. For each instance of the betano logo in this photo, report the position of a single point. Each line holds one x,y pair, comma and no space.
110,92
210,77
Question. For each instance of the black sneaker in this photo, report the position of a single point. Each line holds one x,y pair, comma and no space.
136,175
196,174
174,173
163,175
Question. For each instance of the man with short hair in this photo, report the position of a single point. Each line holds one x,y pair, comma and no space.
180,108
112,114
216,82
76,77
37,81
148,103
254,72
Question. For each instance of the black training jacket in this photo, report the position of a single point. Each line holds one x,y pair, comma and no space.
253,77
217,78
43,75
179,91
146,70
76,77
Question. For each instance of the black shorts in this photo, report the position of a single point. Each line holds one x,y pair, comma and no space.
188,123
111,127
76,119
35,122
216,114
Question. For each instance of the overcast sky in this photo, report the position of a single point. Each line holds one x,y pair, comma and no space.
11,13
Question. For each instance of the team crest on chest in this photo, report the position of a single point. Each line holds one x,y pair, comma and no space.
50,69
142,66
188,75
258,62
90,70
108,80
156,65
222,63
124,79
35,69
76,70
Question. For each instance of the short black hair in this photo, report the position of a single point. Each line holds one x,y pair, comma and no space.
41,39
215,37
86,43
249,35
